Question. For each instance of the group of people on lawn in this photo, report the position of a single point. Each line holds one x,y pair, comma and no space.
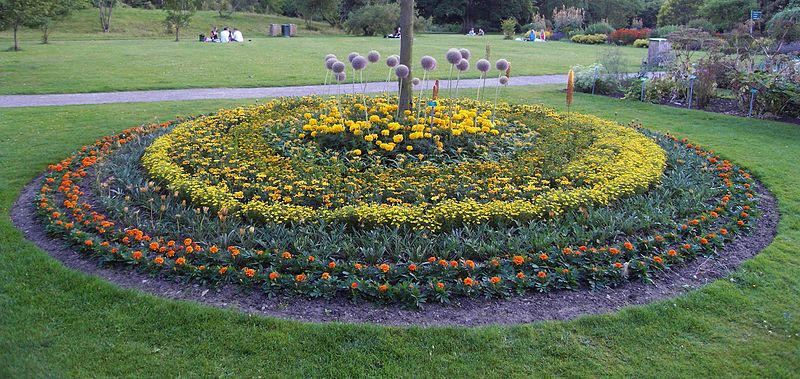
225,36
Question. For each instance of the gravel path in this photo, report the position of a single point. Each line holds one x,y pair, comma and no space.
9,101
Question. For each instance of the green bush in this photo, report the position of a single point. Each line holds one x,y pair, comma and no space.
508,26
373,19
642,42
725,14
702,24
663,31
585,77
589,39
599,28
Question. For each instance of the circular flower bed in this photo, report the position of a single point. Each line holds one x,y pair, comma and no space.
293,197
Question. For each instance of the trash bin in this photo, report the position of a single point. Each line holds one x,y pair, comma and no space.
202,37
286,30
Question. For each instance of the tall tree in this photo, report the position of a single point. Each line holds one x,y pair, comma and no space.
327,10
15,14
105,7
678,12
56,10
179,14
406,44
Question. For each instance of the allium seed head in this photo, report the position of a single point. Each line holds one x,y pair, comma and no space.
373,56
329,57
338,67
465,53
359,63
428,63
401,71
351,56
340,76
501,65
453,56
462,65
503,80
392,61
329,63
482,65
415,81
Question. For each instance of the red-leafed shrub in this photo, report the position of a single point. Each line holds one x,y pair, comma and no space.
627,36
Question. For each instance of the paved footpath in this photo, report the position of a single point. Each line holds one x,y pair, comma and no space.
8,101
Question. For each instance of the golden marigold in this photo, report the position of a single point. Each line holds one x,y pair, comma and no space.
469,264
325,276
286,255
613,251
384,268
358,266
672,252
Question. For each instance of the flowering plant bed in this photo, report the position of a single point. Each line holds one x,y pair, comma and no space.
679,202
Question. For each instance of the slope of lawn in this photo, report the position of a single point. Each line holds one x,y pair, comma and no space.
58,322
137,23
119,65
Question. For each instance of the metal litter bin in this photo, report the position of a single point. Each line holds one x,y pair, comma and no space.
286,30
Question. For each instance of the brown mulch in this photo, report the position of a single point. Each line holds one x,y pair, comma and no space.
557,305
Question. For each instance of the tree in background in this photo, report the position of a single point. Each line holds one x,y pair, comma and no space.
678,12
15,14
724,14
327,10
784,26
56,10
179,14
649,12
618,13
568,19
105,7
370,20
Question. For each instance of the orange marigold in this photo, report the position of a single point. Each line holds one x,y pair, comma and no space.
300,277
154,246
618,265
159,260
332,265
544,256
286,255
412,267
249,272
541,274
440,285
213,250
469,264
384,268
325,276
383,288
468,282
353,285
494,279
672,252
274,275
658,259
137,255
180,261
518,260
628,245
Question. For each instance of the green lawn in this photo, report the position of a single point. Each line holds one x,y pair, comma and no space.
117,65
57,322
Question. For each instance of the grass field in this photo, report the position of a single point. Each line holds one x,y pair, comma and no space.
71,64
61,323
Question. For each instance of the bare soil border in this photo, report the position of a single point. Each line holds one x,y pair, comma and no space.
557,305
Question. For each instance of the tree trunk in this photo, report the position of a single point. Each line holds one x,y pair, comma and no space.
45,34
177,32
406,42
16,42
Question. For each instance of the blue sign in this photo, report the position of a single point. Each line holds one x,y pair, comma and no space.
755,15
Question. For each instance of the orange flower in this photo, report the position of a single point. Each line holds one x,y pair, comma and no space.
520,275
544,256
234,251
454,263
187,242
332,265
658,259
469,264
249,272
565,271
494,280
189,249
672,253
159,261
383,288
431,259
687,246
618,265
628,245
740,222
180,261
274,275
154,246
353,285
495,262
583,248
384,268
286,255
137,255
311,258
703,241
659,238
566,251
88,243
541,274
300,277
358,266
440,285
518,260
468,282
412,267
325,276
613,251
442,263
723,231
213,250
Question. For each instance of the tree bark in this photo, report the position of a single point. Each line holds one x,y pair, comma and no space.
177,32
406,43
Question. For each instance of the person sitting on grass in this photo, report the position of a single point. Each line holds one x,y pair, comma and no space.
471,32
237,36
395,35
481,32
225,35
214,35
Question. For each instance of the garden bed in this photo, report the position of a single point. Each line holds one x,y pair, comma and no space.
587,219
